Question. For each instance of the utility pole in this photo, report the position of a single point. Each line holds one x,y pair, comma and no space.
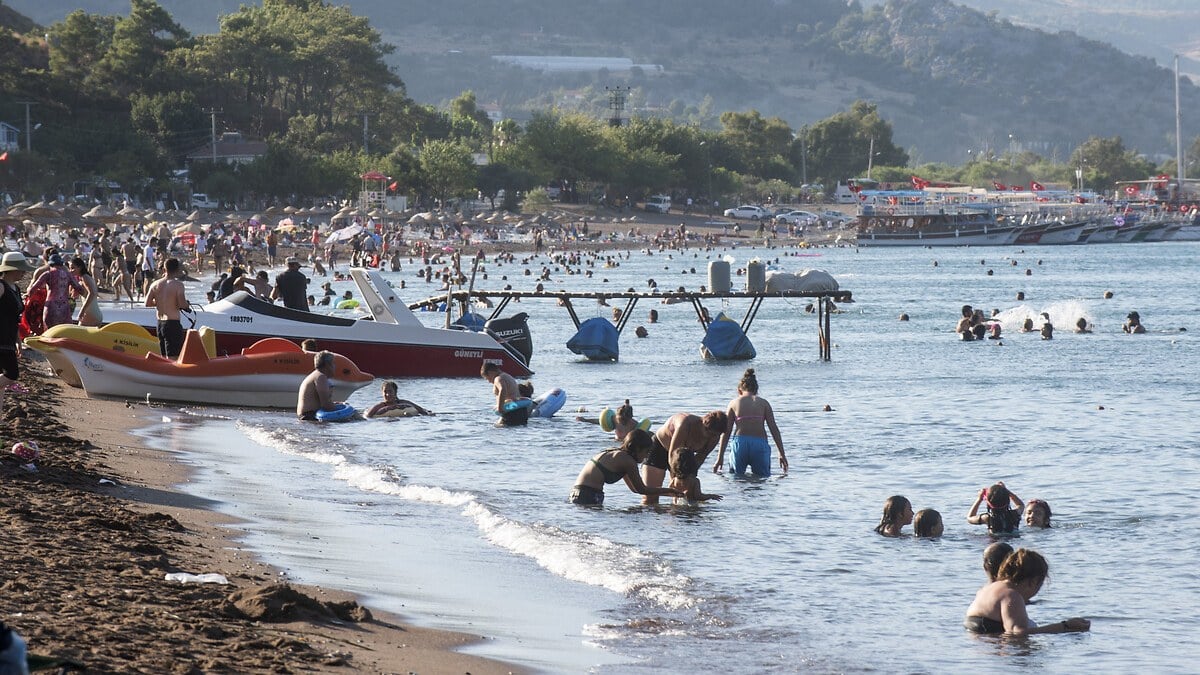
1179,163
804,156
28,128
213,112
366,150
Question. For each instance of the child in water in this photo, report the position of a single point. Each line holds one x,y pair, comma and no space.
999,518
684,479
897,512
928,523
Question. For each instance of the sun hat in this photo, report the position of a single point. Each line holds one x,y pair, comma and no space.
15,261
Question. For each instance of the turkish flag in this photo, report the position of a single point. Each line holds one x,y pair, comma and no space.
1015,188
4,156
1131,190
394,186
1001,187
919,183
1036,186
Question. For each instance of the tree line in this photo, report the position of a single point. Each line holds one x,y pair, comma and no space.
125,99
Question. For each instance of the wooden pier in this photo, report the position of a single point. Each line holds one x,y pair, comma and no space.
822,301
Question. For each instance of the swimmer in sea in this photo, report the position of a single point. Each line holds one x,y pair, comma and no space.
1081,326
1133,324
999,518
316,393
999,607
897,512
623,421
927,523
1037,513
506,390
964,324
684,479
612,466
681,431
1027,325
1047,327
994,556
751,417
395,406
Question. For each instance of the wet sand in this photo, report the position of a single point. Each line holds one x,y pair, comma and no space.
86,541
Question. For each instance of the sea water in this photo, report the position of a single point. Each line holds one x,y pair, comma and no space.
466,526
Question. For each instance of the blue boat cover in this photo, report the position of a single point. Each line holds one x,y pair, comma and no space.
597,340
725,341
471,321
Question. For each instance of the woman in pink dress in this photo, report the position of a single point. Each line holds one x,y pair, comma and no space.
58,283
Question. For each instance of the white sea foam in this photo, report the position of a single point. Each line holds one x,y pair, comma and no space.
577,557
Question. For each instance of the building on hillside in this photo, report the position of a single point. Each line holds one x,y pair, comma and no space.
230,148
10,138
493,112
577,64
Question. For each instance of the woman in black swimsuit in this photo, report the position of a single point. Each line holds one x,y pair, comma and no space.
999,607
611,466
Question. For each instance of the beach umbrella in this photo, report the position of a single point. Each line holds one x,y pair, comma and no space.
187,228
195,216
101,214
41,209
344,234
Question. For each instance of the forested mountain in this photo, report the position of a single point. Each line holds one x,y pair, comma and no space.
950,79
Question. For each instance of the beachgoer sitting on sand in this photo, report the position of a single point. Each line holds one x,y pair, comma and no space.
612,466
393,406
999,607
897,512
999,518
1037,513
684,480
928,523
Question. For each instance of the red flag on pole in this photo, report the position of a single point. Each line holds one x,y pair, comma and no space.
1131,190
4,156
394,186
1036,186
919,183
1000,187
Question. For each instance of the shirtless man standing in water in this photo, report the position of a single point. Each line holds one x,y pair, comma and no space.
166,295
506,390
680,432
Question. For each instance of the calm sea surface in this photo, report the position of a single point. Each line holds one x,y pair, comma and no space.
465,526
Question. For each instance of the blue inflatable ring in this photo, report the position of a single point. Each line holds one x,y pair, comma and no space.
340,413
518,404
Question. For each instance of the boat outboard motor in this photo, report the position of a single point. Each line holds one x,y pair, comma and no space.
513,332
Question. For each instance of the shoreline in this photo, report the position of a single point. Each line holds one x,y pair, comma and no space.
89,560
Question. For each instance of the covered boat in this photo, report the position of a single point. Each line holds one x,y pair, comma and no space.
268,374
392,339
726,341
597,339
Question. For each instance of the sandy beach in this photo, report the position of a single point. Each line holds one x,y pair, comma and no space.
90,536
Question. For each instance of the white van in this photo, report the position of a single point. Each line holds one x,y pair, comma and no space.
201,201
658,203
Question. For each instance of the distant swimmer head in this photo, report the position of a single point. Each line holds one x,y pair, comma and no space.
684,465
1037,513
715,422
928,523
994,556
749,382
897,512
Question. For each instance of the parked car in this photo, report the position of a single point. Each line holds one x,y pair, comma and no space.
658,203
748,211
798,217
202,201
836,217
